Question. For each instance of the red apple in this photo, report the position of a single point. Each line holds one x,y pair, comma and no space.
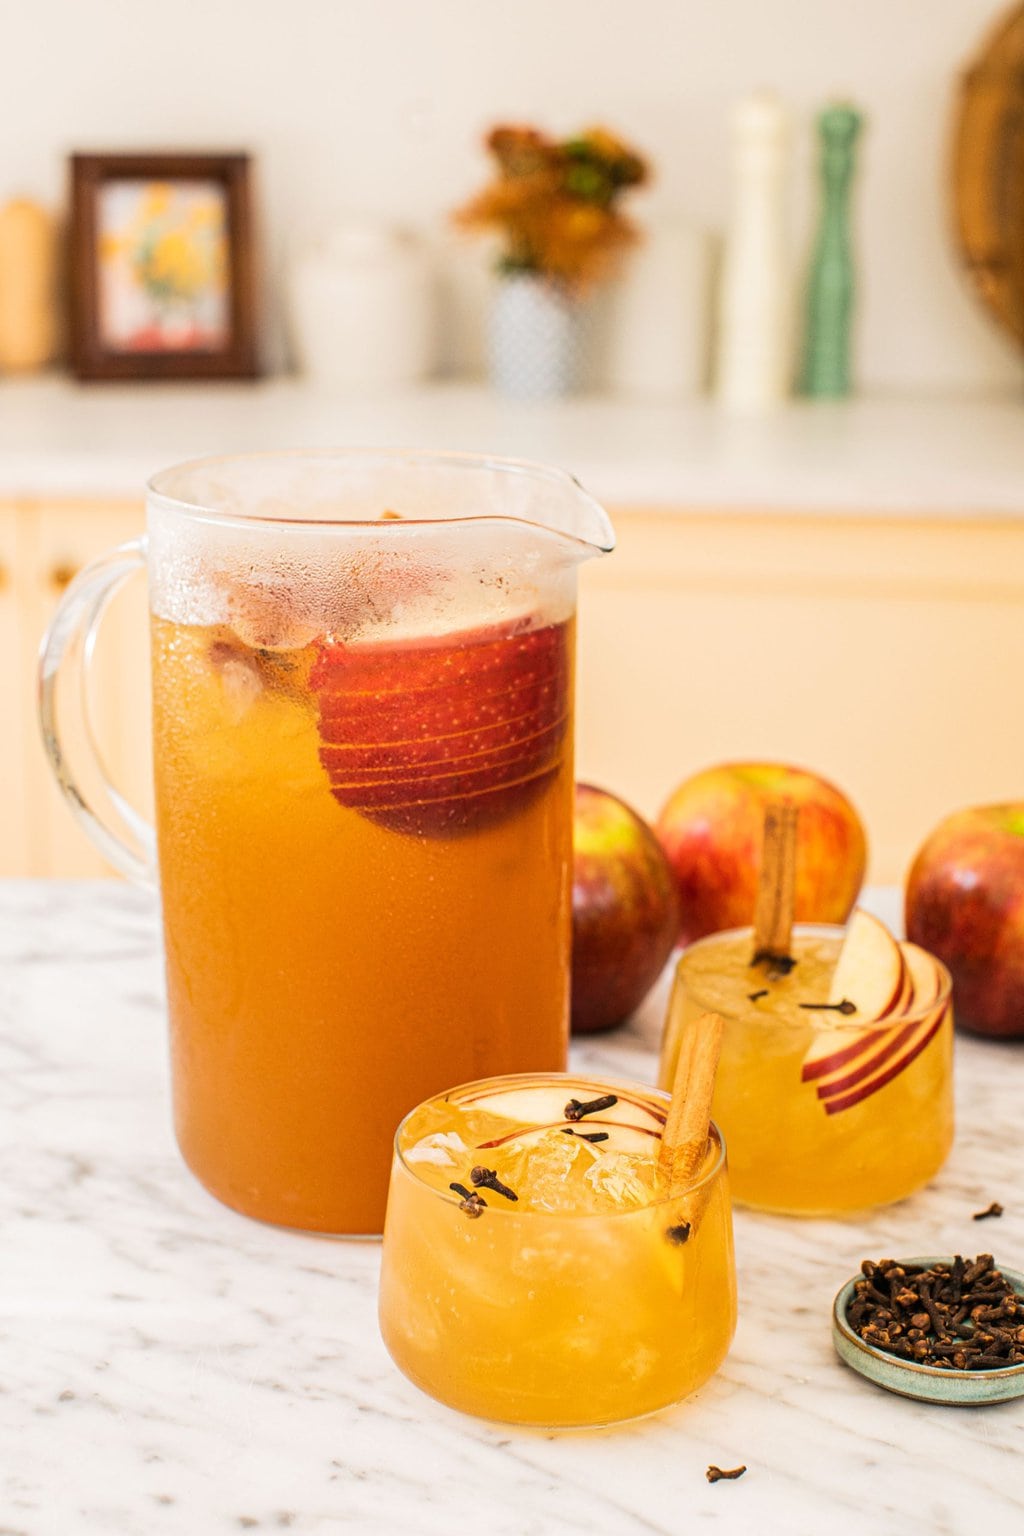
624,913
965,903
712,828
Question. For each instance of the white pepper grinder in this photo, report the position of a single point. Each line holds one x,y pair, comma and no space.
754,351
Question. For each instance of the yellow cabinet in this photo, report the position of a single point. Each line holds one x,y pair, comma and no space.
52,543
16,699
886,652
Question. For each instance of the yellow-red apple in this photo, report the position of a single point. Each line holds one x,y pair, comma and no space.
965,903
624,913
712,828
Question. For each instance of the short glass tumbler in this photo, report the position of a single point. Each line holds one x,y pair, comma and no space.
589,1298
822,1116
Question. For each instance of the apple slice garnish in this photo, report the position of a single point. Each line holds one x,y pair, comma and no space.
835,1048
914,1039
443,737
543,1104
849,1062
870,972
924,974
616,1136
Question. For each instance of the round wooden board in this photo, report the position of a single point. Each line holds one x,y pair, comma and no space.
988,172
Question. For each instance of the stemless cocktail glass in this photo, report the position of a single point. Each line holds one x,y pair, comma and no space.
593,1296
362,688
821,1115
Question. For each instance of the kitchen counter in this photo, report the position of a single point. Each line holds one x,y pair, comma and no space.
170,1367
941,457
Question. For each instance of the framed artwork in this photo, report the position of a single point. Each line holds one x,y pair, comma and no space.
162,272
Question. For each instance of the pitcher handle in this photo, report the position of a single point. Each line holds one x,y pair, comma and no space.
124,837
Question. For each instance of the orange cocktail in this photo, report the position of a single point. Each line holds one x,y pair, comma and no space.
823,1112
536,1268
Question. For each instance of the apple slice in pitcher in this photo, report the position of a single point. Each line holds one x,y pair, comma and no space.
443,737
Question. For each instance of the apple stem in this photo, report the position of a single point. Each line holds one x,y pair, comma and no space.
844,1007
776,887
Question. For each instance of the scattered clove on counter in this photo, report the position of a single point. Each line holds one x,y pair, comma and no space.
724,1474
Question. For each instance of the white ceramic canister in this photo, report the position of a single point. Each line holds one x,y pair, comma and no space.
362,307
659,314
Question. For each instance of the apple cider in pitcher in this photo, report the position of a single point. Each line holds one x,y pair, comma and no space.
365,856
362,758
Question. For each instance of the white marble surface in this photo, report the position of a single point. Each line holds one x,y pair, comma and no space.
918,457
169,1367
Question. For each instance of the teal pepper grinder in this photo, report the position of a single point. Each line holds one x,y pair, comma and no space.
830,287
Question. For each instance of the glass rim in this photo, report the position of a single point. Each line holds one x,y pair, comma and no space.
766,1020
709,1174
200,510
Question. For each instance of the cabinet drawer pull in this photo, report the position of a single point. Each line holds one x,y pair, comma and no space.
62,575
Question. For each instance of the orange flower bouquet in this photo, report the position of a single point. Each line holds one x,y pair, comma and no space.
555,203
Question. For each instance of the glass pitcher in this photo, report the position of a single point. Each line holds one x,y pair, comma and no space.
362,749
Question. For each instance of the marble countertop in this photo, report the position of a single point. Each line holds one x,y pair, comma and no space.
170,1367
917,457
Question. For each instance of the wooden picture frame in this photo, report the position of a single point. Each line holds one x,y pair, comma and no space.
162,281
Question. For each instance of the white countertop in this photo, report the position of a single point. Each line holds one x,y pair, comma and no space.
170,1367
939,457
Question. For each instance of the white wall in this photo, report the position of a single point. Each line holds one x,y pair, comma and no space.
379,105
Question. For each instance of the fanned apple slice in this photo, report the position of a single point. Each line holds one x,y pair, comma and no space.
844,1095
544,1105
924,974
832,1049
443,737
870,972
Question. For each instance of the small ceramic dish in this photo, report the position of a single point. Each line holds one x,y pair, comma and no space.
961,1389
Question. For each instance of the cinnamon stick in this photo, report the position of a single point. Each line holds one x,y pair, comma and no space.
685,1137
776,888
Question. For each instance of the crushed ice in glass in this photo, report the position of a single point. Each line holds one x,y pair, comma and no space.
443,1148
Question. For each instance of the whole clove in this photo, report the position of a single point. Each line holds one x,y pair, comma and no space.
960,1316
570,1130
487,1178
724,1474
472,1203
575,1110
995,1209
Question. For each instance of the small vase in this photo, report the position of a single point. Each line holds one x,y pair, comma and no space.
535,339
